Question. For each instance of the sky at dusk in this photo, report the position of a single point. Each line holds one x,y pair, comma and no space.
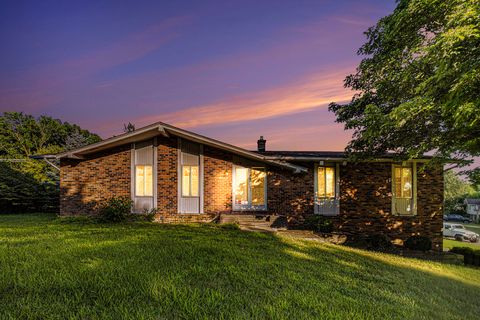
231,70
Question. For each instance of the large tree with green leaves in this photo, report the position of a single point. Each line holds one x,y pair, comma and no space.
26,184
456,190
418,84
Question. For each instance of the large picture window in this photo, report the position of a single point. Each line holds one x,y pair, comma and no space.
404,189
249,188
143,181
190,181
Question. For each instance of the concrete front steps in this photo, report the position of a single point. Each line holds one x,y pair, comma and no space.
256,222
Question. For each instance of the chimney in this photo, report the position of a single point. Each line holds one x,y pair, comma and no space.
261,144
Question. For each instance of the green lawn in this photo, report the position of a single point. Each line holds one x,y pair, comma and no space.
473,227
52,269
449,244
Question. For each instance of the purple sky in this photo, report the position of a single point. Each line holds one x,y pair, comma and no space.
232,70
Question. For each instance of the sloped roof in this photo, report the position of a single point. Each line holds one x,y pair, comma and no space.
472,201
160,128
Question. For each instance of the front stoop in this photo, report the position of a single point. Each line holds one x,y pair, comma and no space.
256,222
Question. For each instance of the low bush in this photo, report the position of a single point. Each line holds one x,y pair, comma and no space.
318,223
461,250
147,215
115,209
419,243
378,242
470,256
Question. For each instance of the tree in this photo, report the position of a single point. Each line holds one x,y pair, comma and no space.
29,185
455,192
22,135
418,85
130,127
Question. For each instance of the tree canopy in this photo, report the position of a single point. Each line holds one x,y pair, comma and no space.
455,192
30,185
23,135
418,84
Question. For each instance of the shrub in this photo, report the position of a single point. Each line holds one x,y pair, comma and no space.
230,226
419,243
147,215
116,209
378,242
470,256
461,250
318,223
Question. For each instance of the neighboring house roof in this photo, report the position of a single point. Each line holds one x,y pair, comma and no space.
472,201
167,130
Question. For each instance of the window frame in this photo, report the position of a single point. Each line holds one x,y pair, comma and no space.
189,195
249,206
326,206
413,167
335,192
144,180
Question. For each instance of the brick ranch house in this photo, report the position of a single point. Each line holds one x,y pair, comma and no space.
189,177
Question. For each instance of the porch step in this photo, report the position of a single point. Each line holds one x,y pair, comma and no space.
256,222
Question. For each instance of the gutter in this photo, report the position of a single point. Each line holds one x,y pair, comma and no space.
290,158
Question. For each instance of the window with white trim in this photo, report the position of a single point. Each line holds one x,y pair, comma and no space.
249,188
404,189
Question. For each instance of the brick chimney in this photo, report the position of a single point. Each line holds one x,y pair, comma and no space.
261,144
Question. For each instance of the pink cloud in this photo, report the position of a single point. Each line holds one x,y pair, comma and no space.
312,92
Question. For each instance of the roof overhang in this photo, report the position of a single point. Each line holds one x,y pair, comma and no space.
166,130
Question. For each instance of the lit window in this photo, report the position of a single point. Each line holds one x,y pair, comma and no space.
404,189
249,188
403,182
326,182
190,181
143,181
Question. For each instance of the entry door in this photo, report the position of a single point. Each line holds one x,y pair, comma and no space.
327,190
190,177
144,176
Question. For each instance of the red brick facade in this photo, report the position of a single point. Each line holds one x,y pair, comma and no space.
84,184
365,191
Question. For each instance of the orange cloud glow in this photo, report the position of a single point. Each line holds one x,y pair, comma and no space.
308,94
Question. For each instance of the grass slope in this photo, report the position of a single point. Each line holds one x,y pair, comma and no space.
57,270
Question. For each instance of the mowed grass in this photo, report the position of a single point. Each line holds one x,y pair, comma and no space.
450,243
56,270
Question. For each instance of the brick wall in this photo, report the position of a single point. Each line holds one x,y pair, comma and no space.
217,180
83,183
365,203
291,194
167,180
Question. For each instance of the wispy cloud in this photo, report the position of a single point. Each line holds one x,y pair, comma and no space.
314,91
41,86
